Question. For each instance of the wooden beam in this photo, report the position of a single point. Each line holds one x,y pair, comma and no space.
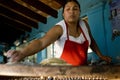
42,7
16,16
14,23
62,2
23,10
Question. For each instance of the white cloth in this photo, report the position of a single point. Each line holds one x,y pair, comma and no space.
59,44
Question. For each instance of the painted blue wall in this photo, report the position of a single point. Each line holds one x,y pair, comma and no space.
96,22
1,53
100,25
113,46
101,28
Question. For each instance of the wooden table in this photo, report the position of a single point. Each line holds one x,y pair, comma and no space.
38,72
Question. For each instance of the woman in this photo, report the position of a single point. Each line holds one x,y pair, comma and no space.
72,37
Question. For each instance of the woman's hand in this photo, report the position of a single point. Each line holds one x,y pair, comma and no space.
15,55
106,58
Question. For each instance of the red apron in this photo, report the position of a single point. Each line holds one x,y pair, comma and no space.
75,53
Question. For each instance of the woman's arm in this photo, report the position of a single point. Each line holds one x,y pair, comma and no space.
36,45
94,46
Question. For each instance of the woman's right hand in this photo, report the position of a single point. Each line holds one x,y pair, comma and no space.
15,55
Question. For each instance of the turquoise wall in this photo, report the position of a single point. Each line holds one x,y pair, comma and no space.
1,53
100,25
96,22
113,46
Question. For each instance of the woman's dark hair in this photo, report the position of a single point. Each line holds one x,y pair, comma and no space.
66,1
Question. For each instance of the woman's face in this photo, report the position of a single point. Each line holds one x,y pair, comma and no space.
71,12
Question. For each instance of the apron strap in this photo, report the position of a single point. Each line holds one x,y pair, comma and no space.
83,33
67,30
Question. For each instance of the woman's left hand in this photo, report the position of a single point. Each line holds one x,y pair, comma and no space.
106,58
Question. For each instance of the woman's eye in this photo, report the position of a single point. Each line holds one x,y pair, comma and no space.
67,9
75,8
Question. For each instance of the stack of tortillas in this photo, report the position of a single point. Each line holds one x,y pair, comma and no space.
53,61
